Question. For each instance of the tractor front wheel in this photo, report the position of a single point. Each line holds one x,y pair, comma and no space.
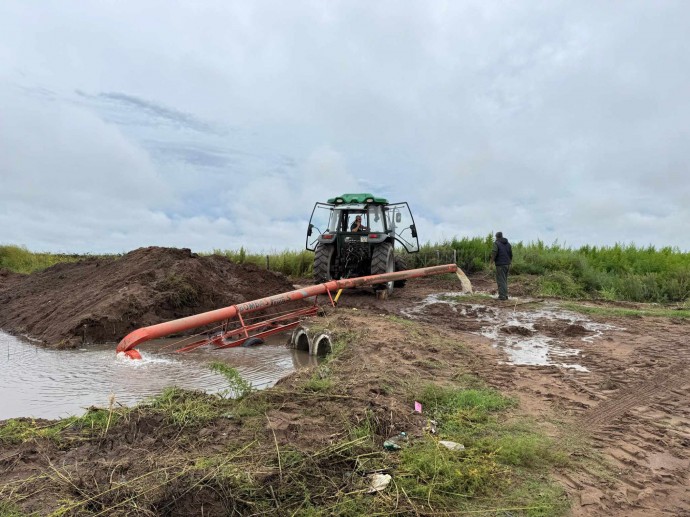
383,261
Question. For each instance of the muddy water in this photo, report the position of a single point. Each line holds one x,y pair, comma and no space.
517,331
45,383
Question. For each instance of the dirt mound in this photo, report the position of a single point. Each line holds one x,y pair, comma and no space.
101,300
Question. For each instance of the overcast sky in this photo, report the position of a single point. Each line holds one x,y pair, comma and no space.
207,124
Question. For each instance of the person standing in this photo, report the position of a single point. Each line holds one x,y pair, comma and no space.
502,257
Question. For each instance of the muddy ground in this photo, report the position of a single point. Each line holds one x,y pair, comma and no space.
632,403
619,384
103,299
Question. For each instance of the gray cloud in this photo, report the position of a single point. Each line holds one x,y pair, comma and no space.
220,124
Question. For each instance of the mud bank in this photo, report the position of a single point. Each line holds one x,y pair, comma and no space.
101,300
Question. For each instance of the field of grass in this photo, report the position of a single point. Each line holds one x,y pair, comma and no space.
20,260
631,273
619,272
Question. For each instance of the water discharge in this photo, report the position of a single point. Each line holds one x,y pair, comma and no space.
46,383
519,332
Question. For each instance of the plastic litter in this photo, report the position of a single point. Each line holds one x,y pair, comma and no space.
431,426
453,446
394,443
379,482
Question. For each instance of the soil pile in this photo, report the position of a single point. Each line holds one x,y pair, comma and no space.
101,300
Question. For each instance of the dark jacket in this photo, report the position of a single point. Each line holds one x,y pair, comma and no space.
502,252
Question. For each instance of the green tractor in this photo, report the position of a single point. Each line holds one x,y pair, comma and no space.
356,235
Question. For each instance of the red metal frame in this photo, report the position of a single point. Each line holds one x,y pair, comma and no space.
220,339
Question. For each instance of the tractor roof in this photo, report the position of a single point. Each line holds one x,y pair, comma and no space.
358,198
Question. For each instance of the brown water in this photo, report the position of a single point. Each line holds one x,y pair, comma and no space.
44,383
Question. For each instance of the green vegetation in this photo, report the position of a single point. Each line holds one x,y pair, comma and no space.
10,510
20,260
239,388
178,291
501,460
619,272
662,312
94,421
187,408
297,264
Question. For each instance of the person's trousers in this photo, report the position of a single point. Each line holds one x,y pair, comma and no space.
502,281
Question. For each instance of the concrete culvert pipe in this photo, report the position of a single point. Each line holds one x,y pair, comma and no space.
300,339
322,345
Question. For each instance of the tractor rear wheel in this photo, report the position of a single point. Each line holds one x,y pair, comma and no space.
383,261
324,260
400,265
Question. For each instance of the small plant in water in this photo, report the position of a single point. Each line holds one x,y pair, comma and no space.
239,387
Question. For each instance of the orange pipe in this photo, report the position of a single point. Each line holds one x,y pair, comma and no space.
143,334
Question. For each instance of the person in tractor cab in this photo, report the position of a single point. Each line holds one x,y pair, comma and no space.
357,226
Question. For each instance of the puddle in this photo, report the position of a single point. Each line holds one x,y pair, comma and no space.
45,383
520,333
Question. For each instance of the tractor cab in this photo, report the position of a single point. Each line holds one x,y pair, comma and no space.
355,235
380,221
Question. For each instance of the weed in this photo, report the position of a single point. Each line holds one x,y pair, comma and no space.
239,388
315,383
187,408
11,510
178,292
621,272
19,430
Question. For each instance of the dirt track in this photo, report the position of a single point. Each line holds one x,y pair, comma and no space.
624,396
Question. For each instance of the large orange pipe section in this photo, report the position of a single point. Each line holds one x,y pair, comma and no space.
143,334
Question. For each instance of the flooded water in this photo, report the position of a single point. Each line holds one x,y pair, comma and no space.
45,383
516,331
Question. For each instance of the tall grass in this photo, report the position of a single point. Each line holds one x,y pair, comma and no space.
21,260
618,272
292,263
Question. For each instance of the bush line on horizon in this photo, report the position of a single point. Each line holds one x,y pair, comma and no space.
618,272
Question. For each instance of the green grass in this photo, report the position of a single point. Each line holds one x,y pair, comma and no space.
502,461
618,272
297,264
20,260
661,312
19,430
187,408
10,510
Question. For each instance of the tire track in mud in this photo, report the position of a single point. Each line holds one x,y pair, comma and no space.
642,431
634,396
